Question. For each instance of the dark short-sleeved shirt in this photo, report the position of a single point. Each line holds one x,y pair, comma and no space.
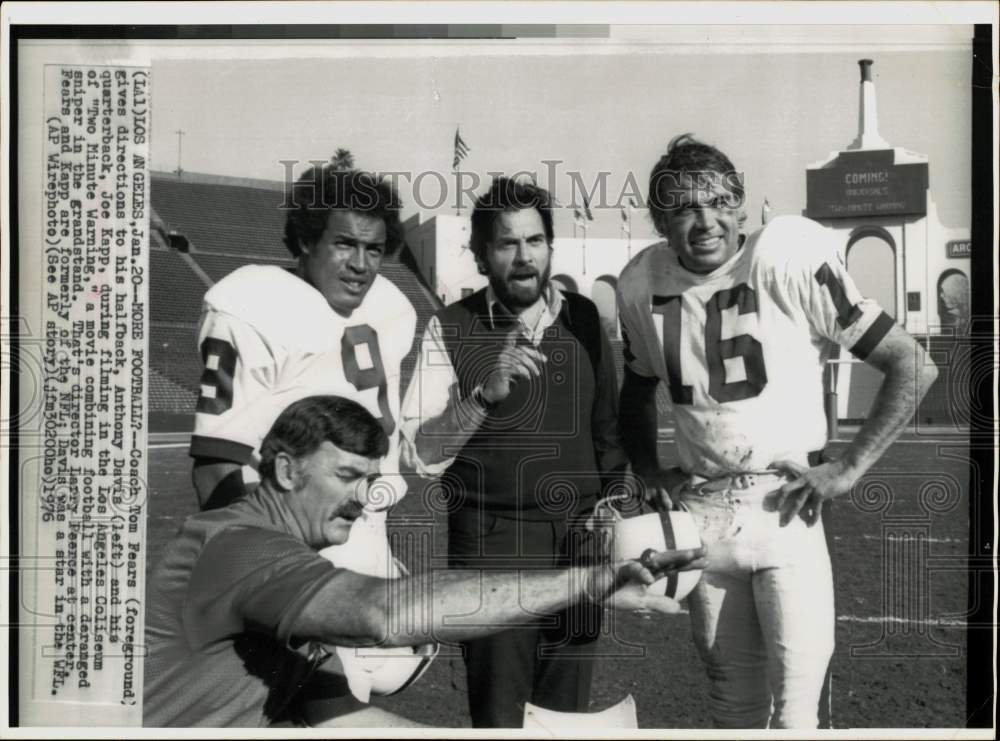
220,609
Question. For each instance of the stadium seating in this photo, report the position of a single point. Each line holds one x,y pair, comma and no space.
175,291
173,352
222,218
218,267
167,396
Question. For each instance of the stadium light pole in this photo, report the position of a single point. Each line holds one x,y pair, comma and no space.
179,170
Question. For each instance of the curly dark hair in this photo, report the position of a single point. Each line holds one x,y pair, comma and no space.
686,155
507,194
305,424
322,189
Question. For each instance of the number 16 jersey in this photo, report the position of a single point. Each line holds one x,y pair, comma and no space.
268,339
742,349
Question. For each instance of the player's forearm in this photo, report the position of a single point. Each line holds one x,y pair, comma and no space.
216,482
637,423
909,373
608,450
439,437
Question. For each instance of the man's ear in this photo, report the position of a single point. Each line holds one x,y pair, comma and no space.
481,265
286,473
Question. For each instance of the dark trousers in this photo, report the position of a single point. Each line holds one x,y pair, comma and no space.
548,662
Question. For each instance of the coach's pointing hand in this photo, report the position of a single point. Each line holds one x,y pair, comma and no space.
515,362
624,585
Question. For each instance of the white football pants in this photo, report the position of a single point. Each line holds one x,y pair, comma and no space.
762,615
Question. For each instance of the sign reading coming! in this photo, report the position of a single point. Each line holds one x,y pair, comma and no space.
866,184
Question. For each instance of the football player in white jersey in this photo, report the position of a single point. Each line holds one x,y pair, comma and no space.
332,326
271,336
738,327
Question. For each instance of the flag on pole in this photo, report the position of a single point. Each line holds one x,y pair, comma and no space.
461,150
586,208
626,224
579,220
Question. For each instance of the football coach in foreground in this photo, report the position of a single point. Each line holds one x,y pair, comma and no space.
241,604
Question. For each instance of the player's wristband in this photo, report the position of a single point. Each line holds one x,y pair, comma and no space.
480,400
228,490
599,581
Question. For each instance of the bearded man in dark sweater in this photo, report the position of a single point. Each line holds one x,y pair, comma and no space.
514,406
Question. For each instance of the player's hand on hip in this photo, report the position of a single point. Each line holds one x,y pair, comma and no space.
515,363
809,488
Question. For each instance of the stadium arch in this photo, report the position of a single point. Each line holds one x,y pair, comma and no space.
953,300
566,283
603,295
871,257
873,266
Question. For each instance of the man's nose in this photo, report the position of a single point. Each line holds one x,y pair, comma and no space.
357,260
521,255
705,217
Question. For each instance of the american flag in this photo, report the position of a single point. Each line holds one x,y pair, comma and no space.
461,150
586,208
627,216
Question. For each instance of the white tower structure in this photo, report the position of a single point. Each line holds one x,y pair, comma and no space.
868,136
877,198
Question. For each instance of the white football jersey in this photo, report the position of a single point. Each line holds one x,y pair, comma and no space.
742,349
268,339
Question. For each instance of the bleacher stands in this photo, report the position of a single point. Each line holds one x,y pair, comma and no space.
169,397
222,218
219,266
173,350
175,291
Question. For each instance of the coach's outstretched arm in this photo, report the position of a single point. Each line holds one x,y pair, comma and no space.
356,610
909,372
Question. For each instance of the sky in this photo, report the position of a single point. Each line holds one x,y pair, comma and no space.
775,98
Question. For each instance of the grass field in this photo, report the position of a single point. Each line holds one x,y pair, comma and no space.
900,563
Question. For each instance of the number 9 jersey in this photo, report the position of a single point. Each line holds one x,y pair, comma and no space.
268,338
742,348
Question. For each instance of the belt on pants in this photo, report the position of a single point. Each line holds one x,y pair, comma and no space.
747,480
